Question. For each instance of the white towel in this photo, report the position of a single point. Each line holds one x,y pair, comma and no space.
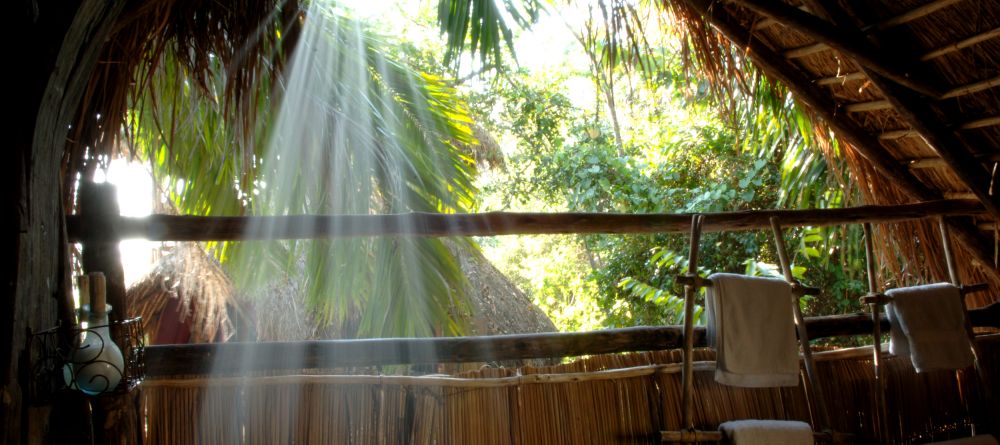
751,326
982,439
767,432
928,325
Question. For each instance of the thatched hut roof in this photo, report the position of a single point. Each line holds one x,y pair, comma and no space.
187,298
910,88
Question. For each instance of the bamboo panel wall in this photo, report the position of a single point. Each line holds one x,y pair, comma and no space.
612,399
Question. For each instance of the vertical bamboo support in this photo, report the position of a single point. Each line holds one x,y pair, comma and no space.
690,292
949,257
876,306
813,390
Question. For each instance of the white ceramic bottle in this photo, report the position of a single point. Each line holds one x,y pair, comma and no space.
98,363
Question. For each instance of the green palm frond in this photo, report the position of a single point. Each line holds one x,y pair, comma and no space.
482,27
385,147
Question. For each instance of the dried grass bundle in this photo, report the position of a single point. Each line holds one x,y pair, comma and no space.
197,283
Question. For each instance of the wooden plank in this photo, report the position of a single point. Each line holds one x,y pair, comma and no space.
199,228
242,357
961,44
844,41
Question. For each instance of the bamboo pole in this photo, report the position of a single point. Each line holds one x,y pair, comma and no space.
911,15
813,389
202,228
970,88
981,123
872,105
690,292
955,277
840,79
876,301
961,44
806,50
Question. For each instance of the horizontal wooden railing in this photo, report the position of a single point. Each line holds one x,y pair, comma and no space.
240,357
204,228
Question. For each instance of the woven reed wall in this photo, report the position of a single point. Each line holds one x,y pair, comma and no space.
616,399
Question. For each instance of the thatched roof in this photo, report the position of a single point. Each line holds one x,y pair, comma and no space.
187,297
909,87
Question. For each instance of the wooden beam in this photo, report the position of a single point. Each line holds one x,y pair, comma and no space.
960,195
242,357
806,50
935,162
911,15
974,87
768,22
963,90
198,228
971,125
897,134
841,79
981,123
872,105
961,44
849,43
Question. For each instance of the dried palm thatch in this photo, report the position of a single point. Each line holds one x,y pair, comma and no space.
189,288
242,37
894,140
608,399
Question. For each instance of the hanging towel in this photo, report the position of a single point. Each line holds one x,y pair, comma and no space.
751,326
928,325
982,439
767,432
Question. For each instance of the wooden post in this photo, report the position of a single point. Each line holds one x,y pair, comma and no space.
690,292
116,420
98,213
876,306
813,390
984,379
